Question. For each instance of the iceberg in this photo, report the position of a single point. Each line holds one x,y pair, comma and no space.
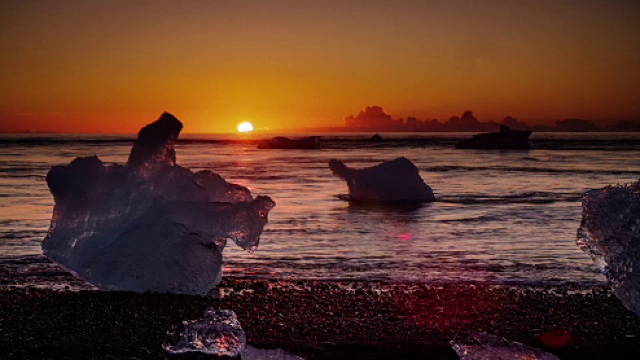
484,346
149,225
281,142
391,181
505,139
217,333
610,234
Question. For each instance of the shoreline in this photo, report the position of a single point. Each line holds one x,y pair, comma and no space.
321,320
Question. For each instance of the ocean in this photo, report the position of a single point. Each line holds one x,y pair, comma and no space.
500,217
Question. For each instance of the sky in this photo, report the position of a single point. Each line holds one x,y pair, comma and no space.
113,66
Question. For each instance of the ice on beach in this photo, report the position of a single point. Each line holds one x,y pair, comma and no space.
491,347
217,333
150,225
610,234
396,180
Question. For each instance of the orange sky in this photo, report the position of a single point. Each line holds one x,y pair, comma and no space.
113,66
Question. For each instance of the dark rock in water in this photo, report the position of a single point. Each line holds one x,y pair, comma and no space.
281,142
610,234
376,137
152,227
491,347
505,139
155,143
391,181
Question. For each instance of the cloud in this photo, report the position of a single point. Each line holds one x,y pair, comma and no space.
575,125
371,117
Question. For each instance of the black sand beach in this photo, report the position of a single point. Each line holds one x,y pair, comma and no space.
320,320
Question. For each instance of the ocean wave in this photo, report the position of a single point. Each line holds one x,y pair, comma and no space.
599,141
533,197
447,168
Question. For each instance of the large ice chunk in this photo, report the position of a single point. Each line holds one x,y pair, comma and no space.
150,225
610,234
391,181
491,347
217,333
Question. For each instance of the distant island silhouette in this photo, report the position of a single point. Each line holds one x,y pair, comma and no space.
374,119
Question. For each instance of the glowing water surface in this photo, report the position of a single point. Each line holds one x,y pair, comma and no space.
502,217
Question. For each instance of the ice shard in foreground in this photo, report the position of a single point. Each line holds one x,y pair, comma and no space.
217,333
150,225
391,181
484,347
610,234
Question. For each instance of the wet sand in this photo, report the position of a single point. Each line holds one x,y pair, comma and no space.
320,320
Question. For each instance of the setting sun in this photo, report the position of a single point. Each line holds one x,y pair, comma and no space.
245,126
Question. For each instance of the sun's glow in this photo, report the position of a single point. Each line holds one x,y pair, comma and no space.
245,126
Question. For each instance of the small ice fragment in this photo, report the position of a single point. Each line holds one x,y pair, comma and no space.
610,234
217,333
391,181
491,347
251,353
